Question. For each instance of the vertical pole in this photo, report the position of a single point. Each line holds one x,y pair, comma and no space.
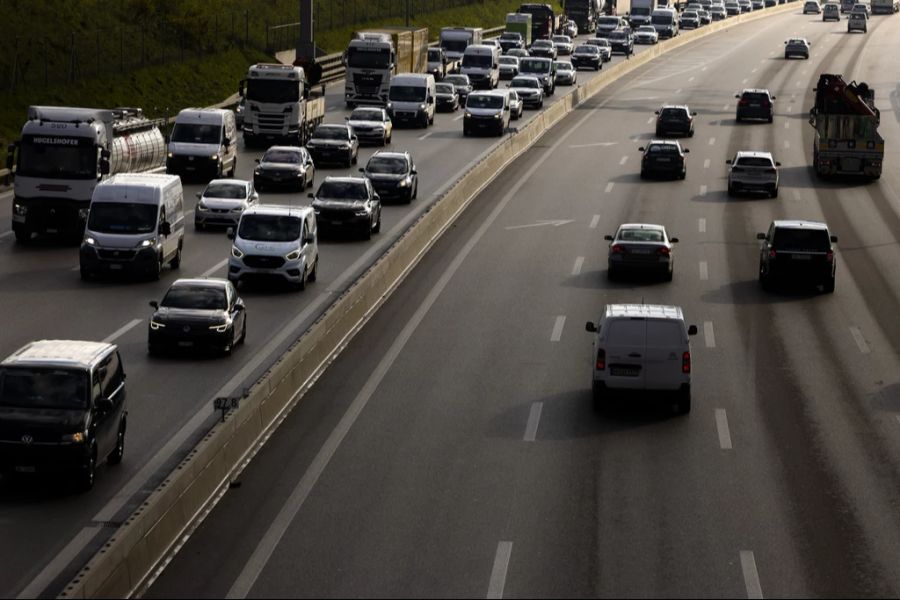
15,64
122,49
46,74
98,53
246,27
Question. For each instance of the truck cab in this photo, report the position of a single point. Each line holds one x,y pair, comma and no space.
276,106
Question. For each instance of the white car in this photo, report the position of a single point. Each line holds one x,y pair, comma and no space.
753,171
516,106
563,44
223,201
530,90
640,348
566,74
646,34
604,45
371,124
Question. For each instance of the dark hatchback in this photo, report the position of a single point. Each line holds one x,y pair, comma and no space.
797,252
393,175
663,158
587,56
198,314
755,104
446,97
675,120
333,144
621,41
284,167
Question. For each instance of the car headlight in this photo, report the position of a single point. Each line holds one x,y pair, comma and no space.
147,243
362,213
468,115
497,116
90,241
154,325
421,107
390,105
257,172
292,255
219,328
214,157
202,207
171,155
236,252
73,438
20,209
237,209
405,182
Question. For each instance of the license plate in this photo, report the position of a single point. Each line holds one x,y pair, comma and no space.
185,344
754,105
620,372
115,267
191,158
802,257
665,160
337,222
24,469
641,250
190,168
52,230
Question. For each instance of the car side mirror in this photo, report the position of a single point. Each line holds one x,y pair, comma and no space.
673,240
590,327
777,164
104,405
773,97
430,99
760,236
104,166
354,138
641,149
694,114
728,162
227,141
256,160
414,172
154,304
165,228
362,170
834,239
692,330
608,238
346,118
199,195
785,43
686,150
738,96
239,307
230,233
310,195
655,112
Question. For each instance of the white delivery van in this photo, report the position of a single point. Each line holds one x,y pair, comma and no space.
411,99
642,347
135,224
665,22
203,144
482,64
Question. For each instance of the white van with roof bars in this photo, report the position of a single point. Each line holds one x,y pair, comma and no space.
642,348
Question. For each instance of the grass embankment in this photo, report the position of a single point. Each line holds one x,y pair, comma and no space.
209,73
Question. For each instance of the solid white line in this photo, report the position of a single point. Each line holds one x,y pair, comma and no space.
690,79
704,68
579,262
624,160
722,427
755,69
787,144
558,328
498,572
122,330
703,190
422,137
709,334
751,575
702,225
706,163
6,234
712,141
860,340
270,540
609,187
704,270
60,561
595,221
459,117
534,418
214,268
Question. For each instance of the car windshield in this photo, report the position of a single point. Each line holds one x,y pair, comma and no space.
232,191
454,45
563,66
525,83
640,235
43,388
646,29
608,21
755,97
662,149
562,39
479,61
444,88
195,133
458,80
801,240
542,44
195,297
270,228
618,35
753,161
661,19
407,93
511,36
331,133
598,42
484,101
387,164
367,58
281,156
509,60
674,114
689,14
434,54
534,65
343,190
367,114
124,218
796,41
273,90
587,50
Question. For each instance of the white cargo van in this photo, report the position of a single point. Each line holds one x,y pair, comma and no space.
135,223
411,99
203,143
482,64
642,347
665,22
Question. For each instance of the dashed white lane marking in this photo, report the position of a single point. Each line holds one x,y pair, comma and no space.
787,144
534,418
498,572
797,195
579,262
214,268
704,270
860,340
702,190
609,187
751,575
755,69
558,328
123,330
690,79
650,120
706,163
624,160
744,82
427,135
709,334
704,68
459,117
595,221
722,427
712,141
678,91
787,124
726,107
701,223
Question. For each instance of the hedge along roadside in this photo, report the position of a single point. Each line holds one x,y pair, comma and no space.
160,524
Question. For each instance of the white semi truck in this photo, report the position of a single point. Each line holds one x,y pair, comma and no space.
278,106
62,155
374,56
455,40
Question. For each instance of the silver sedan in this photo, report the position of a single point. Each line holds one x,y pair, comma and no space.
642,247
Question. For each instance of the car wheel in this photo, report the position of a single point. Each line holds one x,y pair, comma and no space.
765,280
771,118
670,274
156,270
198,226
175,263
828,286
314,274
115,457
312,178
233,168
684,400
152,350
416,190
643,174
85,274
541,103
301,285
85,476
243,331
774,193
377,228
683,174
598,393
23,236
367,231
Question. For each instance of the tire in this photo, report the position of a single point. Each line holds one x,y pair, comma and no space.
773,193
23,236
684,400
764,281
115,457
643,174
355,158
152,350
85,274
243,331
683,174
157,270
301,285
175,263
84,477
771,118
541,104
199,226
367,232
233,170
314,274
415,193
312,179
598,396
828,286
229,348
670,274
377,228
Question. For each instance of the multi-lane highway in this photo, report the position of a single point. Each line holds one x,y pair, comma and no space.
452,450
47,536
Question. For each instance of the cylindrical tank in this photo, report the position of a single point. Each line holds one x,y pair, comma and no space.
138,145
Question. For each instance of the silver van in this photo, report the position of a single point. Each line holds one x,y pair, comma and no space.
487,111
135,224
275,242
203,143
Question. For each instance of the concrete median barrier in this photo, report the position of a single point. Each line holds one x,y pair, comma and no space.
161,523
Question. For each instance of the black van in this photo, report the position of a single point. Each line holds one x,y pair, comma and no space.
62,409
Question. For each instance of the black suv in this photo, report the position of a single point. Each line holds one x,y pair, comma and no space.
393,175
674,119
622,41
333,144
797,251
62,409
347,203
663,157
755,104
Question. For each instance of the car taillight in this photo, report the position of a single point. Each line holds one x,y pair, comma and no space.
663,250
829,256
617,249
772,253
765,104
601,359
686,362
742,102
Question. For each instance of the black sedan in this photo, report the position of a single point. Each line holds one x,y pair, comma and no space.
446,97
198,313
284,166
672,120
663,157
587,56
334,144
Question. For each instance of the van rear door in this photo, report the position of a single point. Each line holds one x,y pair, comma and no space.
663,354
624,343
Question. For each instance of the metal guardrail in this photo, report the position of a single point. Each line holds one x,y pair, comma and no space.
333,70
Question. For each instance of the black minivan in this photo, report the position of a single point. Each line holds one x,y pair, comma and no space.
62,409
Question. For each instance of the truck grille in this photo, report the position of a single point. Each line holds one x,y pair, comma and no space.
263,262
271,120
367,84
122,255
